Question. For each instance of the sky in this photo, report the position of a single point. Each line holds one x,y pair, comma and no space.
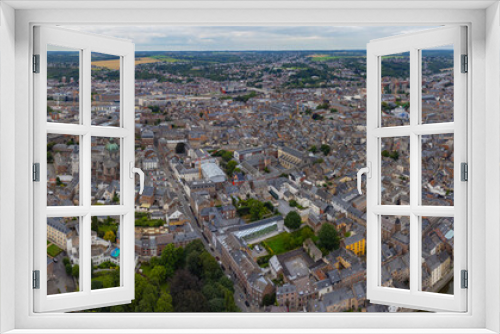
246,38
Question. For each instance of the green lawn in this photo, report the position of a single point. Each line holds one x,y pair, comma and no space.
53,250
106,228
327,58
106,279
279,243
166,59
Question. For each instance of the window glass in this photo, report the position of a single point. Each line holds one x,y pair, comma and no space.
63,85
105,252
63,255
105,89
63,170
437,85
395,89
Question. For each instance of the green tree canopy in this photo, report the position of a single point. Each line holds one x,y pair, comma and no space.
328,237
325,149
164,303
293,220
75,271
110,236
269,299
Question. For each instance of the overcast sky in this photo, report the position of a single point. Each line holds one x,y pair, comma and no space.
222,38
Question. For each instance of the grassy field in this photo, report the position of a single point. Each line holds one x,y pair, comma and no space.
277,243
327,58
114,64
166,59
285,241
53,250
106,279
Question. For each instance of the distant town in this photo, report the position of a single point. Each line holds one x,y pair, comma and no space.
250,202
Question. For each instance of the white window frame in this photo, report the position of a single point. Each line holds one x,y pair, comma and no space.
85,43
413,44
482,315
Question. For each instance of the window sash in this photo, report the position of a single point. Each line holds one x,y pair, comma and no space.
413,43
85,298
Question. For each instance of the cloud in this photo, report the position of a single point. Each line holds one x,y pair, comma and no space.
236,38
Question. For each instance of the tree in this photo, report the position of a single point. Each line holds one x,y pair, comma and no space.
116,198
172,259
313,149
96,285
75,271
148,301
180,148
194,246
217,305
293,203
306,233
293,220
257,210
394,155
110,236
154,109
269,299
227,155
211,269
213,290
191,301
227,283
164,303
231,165
268,205
68,268
229,302
328,237
325,149
158,274
194,264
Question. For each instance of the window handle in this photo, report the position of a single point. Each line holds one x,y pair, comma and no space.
135,170
365,170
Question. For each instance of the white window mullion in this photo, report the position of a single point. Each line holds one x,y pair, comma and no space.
373,184
415,170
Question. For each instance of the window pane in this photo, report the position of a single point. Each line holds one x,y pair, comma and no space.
395,232
105,171
437,170
437,254
395,171
63,170
105,250
105,89
395,89
63,85
437,85
63,254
